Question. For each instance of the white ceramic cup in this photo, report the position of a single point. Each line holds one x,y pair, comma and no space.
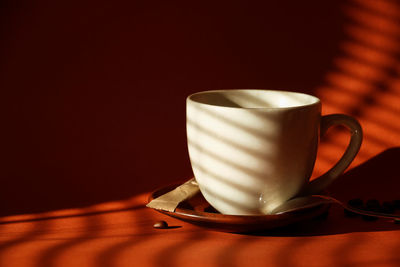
251,149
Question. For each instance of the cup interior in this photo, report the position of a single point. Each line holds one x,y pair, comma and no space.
253,98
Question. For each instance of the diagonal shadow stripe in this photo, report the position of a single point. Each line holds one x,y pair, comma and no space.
234,165
108,256
38,229
240,126
50,257
51,217
250,151
168,256
239,205
226,181
228,255
345,250
285,255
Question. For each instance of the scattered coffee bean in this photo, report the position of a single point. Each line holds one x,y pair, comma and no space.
161,225
373,205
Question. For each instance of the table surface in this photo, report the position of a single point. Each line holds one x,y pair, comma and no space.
121,234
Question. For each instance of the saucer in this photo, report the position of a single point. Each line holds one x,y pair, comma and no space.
197,211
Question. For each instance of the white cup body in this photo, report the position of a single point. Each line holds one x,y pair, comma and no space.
251,150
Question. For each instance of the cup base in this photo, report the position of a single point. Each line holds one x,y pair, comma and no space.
198,211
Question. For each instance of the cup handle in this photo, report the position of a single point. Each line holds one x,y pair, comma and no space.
319,184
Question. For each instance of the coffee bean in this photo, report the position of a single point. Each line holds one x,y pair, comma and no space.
161,225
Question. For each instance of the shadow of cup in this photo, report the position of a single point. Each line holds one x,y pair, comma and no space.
377,178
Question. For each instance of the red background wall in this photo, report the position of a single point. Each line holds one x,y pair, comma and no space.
93,92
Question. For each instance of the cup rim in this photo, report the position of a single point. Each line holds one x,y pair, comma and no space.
316,100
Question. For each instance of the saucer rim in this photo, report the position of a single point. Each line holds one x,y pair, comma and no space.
237,223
